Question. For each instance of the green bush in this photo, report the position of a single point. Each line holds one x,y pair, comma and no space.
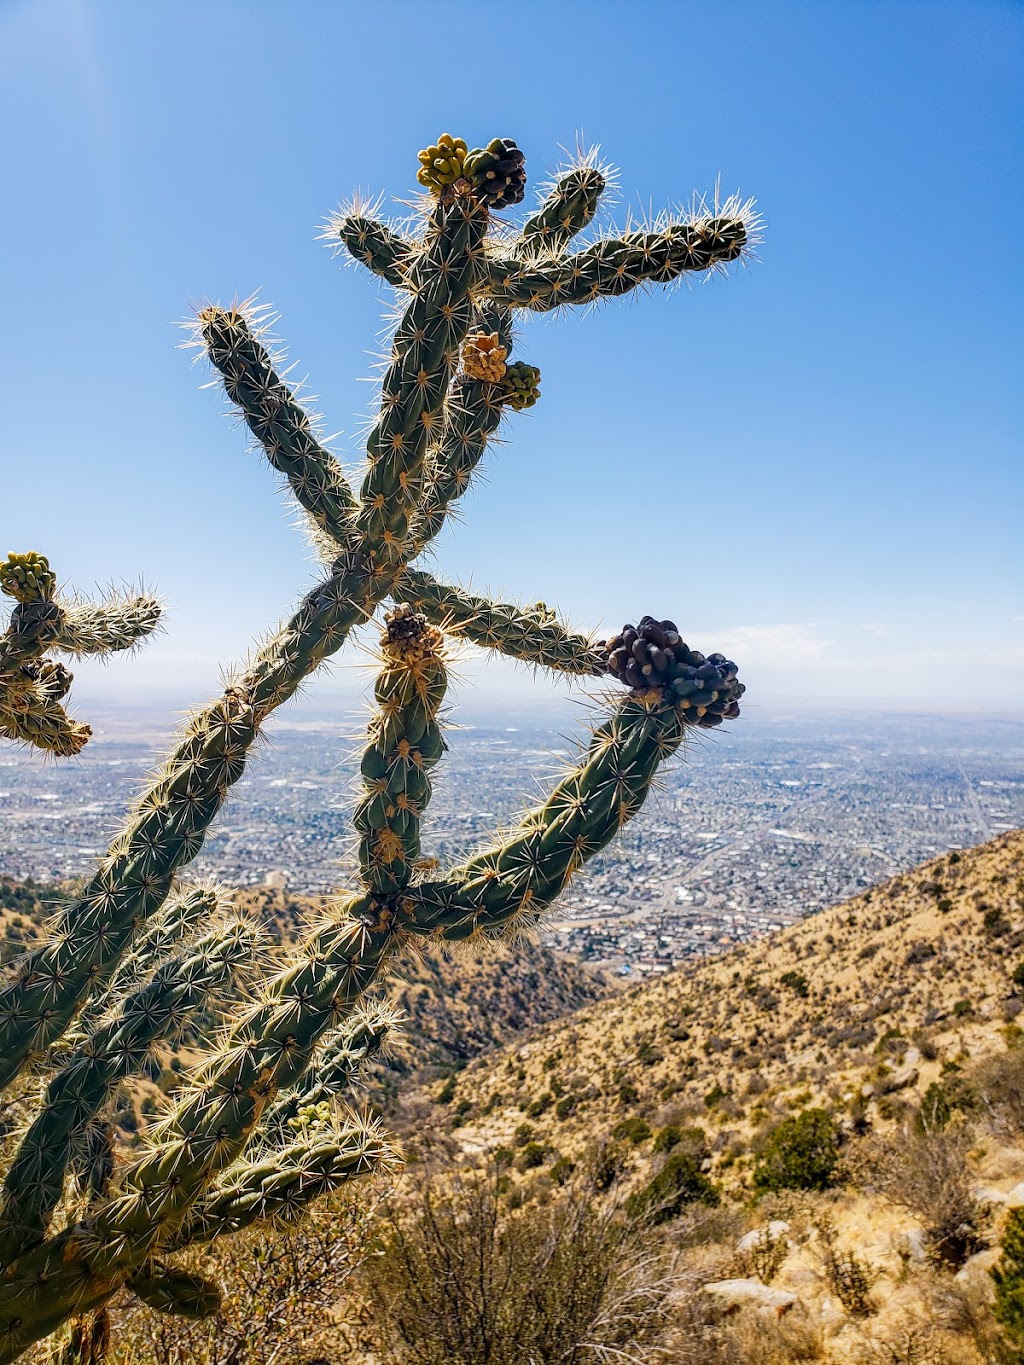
800,1154
797,983
635,1130
533,1154
1018,975
447,1092
679,1182
1009,1279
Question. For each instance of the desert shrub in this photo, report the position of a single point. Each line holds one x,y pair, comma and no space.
608,1165
995,923
635,1130
927,1173
952,1093
849,1278
1009,1279
797,983
531,1156
562,1170
447,1092
764,1257
459,1280
523,1134
1000,1085
680,1181
800,1154
666,1138
280,1289
565,1106
962,1008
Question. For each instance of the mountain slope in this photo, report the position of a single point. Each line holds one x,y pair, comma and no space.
856,1010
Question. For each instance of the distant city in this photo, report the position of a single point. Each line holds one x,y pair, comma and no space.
782,814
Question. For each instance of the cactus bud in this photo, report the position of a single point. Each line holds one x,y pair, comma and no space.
28,577
442,164
521,385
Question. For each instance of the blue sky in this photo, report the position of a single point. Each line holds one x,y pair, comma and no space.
815,464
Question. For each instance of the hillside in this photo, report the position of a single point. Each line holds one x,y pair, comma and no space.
889,1019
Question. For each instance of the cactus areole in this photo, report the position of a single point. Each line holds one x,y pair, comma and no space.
259,1128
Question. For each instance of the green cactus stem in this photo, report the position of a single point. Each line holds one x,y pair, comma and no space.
283,1183
32,687
611,268
169,1289
118,1048
186,909
501,892
405,742
424,355
341,1058
533,635
279,424
568,209
374,245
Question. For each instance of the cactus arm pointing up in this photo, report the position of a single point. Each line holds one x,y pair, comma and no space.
375,245
277,421
405,743
567,210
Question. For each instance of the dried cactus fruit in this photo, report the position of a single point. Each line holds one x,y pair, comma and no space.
483,357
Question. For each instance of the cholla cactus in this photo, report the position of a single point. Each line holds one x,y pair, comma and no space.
33,687
256,1129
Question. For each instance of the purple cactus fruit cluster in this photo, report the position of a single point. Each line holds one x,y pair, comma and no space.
654,654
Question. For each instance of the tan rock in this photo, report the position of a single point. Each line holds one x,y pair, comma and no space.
739,1293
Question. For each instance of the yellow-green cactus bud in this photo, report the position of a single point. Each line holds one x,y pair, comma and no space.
312,1117
483,358
521,385
28,577
442,164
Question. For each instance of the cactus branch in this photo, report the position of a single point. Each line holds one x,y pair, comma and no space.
424,353
375,245
615,266
533,635
405,742
32,687
279,424
332,1071
116,1050
568,208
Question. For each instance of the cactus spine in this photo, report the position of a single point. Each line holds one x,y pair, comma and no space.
257,1130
